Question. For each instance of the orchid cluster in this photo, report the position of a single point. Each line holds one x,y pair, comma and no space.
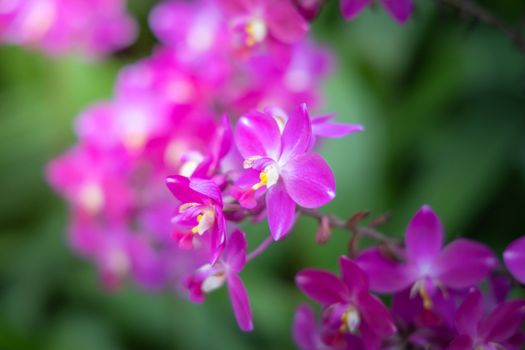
171,122
94,27
454,297
213,130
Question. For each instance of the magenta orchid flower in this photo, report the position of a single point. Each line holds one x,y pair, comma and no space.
275,22
282,167
400,10
199,212
350,309
226,270
428,267
500,329
514,258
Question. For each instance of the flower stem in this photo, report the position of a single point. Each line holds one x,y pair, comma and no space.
253,254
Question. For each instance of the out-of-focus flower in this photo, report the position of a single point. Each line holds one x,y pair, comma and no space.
306,334
210,277
199,211
276,23
500,329
428,267
94,27
400,10
282,167
350,311
514,257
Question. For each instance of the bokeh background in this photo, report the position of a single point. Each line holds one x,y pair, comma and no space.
443,101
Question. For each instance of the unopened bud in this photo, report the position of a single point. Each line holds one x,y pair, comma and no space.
324,231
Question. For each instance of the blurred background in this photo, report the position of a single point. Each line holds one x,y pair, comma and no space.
443,101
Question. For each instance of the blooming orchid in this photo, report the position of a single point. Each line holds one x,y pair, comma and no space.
282,167
276,22
226,270
349,308
199,212
500,329
427,268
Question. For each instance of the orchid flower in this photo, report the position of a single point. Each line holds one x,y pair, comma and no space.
276,22
428,266
199,212
226,270
282,167
496,330
350,309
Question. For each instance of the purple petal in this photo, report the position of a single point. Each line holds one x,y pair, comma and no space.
514,258
354,278
335,130
503,322
281,211
400,10
351,8
193,190
284,21
463,342
235,251
321,286
257,134
424,237
464,263
240,302
309,180
469,313
207,188
385,275
304,328
376,315
297,134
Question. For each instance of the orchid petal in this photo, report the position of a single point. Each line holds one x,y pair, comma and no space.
503,322
464,263
309,180
376,314
304,328
335,130
297,134
354,278
424,237
351,8
321,286
240,302
235,251
193,190
514,258
284,21
463,342
400,10
469,313
257,134
384,274
281,211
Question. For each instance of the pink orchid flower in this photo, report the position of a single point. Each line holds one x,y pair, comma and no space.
226,270
514,258
199,212
282,167
428,267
